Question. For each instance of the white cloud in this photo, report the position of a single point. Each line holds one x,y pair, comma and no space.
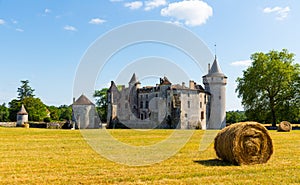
134,5
2,21
47,10
19,30
70,28
281,13
14,21
241,63
177,23
97,21
192,12
149,5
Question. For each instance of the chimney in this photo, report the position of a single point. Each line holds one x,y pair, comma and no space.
183,85
192,84
208,67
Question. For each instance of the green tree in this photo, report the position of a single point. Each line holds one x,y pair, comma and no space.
36,109
25,90
54,113
34,106
14,107
270,87
65,112
4,113
235,116
101,103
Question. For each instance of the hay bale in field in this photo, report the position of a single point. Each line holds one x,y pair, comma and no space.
284,126
244,143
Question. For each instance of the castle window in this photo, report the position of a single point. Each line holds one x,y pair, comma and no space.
204,99
188,94
202,115
141,96
146,96
142,116
200,105
219,97
185,115
189,104
147,105
156,95
169,104
141,104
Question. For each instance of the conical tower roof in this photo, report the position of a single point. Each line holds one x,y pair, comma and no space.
22,111
215,70
133,79
83,100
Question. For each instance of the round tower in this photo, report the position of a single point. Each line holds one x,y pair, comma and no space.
215,83
22,116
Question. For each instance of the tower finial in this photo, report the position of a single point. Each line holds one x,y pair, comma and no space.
215,51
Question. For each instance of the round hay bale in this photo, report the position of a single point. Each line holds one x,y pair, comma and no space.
244,143
284,126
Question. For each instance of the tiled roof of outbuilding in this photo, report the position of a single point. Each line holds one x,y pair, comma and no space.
83,100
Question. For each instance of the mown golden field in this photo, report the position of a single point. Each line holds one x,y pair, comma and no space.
46,156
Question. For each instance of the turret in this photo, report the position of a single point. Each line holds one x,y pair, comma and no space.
22,116
215,83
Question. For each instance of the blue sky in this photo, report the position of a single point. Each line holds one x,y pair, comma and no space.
44,41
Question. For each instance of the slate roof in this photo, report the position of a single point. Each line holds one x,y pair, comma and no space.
215,70
133,79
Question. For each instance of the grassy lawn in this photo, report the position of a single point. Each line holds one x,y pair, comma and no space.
45,156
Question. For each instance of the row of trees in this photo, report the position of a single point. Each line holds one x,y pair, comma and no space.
37,110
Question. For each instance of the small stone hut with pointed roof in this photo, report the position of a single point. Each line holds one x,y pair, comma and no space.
22,116
85,115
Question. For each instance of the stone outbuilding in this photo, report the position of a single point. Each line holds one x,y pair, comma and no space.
84,114
22,116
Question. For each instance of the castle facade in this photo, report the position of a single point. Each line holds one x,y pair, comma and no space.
168,105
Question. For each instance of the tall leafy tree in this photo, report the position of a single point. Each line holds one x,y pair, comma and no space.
101,103
14,107
34,106
4,113
25,90
36,109
270,87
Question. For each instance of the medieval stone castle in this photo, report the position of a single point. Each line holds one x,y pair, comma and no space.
169,106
